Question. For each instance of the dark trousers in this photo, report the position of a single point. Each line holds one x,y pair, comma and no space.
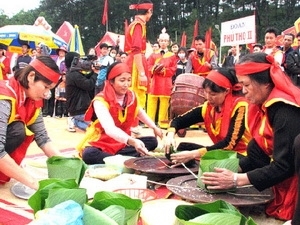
296,218
15,135
61,108
48,108
94,155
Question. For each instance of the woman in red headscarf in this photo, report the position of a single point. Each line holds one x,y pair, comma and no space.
275,126
223,114
113,112
21,120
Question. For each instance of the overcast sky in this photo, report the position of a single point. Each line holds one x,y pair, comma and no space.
12,7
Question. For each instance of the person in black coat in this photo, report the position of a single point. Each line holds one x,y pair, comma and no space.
229,60
292,66
80,84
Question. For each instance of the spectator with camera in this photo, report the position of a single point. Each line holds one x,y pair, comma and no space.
80,84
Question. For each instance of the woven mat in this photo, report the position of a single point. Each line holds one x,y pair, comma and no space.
11,214
67,151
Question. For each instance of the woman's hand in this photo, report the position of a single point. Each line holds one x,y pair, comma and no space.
140,147
143,80
11,169
158,132
168,141
220,179
33,184
183,156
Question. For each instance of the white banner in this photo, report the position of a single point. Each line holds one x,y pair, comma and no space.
238,32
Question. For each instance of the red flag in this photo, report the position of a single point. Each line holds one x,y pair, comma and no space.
208,38
250,47
196,31
65,31
183,40
105,11
125,25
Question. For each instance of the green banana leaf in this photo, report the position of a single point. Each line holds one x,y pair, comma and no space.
217,219
55,196
92,216
217,158
214,213
132,207
106,206
66,168
54,191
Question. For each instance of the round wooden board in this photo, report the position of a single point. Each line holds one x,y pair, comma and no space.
186,188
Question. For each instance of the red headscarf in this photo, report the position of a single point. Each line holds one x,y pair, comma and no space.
145,6
45,70
280,80
219,79
108,91
222,81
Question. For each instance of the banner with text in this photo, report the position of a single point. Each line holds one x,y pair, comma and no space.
238,32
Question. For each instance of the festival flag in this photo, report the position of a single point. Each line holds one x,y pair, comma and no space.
75,44
105,12
183,40
196,31
65,31
297,25
125,25
250,47
208,39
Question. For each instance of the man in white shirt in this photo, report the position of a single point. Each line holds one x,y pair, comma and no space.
104,61
270,47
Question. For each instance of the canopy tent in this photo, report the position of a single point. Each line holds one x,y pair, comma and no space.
65,31
29,34
72,36
75,44
111,38
14,36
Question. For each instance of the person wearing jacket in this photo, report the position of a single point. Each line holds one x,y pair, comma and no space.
80,84
292,66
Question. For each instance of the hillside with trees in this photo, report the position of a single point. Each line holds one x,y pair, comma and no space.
176,15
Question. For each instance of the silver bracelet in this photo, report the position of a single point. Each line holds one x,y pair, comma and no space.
235,180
